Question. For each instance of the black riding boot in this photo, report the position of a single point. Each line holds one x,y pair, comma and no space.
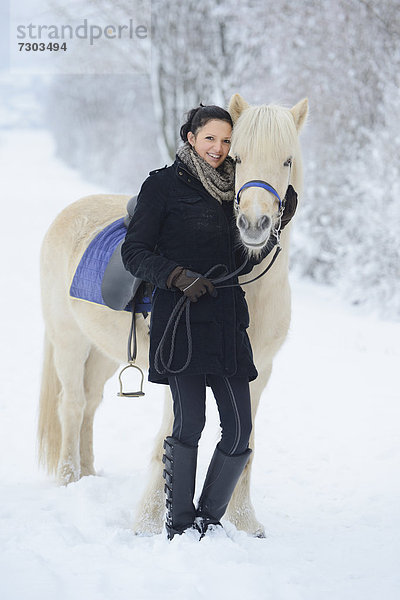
180,475
221,479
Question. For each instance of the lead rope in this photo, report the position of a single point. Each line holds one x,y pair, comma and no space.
163,365
183,306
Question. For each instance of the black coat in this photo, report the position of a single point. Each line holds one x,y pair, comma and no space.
178,223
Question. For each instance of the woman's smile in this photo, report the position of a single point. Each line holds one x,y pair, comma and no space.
213,156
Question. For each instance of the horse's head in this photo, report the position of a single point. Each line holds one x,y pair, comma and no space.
265,146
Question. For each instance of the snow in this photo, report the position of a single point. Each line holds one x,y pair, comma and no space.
325,481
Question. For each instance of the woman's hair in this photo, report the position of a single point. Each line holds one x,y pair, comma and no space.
198,117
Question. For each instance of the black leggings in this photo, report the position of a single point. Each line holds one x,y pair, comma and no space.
233,400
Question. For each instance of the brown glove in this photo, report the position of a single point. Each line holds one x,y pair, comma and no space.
193,285
290,206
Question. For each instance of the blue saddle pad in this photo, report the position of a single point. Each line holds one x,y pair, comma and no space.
89,274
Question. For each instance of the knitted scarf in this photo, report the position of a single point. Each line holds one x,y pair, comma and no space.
219,182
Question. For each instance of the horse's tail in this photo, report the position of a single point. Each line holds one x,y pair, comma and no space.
49,429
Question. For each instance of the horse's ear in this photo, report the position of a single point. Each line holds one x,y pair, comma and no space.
300,112
237,105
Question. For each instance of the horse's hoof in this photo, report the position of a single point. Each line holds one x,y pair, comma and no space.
67,474
66,480
245,520
260,533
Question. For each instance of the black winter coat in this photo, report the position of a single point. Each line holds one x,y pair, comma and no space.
178,223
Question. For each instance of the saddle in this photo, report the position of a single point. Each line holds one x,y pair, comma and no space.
118,286
101,276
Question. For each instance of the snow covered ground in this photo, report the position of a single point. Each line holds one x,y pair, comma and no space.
325,482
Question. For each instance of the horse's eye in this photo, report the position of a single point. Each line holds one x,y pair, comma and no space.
237,159
288,162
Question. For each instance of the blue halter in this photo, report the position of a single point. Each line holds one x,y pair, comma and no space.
261,184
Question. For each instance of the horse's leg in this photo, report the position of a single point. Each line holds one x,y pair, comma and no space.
71,351
98,369
151,510
240,510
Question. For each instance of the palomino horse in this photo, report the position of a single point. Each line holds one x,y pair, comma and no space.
85,343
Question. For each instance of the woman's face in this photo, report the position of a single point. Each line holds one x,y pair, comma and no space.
212,142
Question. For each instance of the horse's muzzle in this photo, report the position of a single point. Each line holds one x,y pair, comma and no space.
254,236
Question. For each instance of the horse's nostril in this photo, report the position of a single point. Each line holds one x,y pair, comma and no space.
243,222
264,222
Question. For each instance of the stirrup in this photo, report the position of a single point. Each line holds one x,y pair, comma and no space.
130,394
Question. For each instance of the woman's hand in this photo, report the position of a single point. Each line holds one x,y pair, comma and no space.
193,285
290,206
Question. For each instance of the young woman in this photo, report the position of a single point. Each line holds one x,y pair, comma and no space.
183,226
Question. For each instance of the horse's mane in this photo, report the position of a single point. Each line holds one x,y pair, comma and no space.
263,129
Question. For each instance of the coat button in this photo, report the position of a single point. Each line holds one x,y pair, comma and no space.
180,173
188,178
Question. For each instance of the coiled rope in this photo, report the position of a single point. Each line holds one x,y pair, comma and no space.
162,364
